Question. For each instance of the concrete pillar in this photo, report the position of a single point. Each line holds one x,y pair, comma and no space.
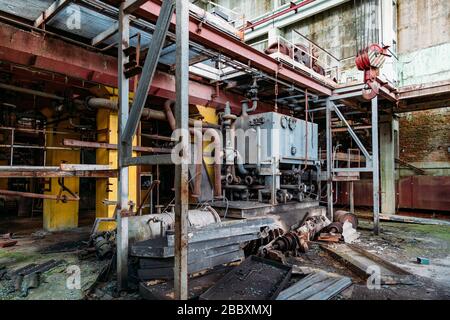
388,153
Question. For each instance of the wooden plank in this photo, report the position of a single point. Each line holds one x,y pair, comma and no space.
414,220
109,146
359,261
316,286
84,167
17,173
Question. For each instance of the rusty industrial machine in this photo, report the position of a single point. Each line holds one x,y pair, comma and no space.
270,157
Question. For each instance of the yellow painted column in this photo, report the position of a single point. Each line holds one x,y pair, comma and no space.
106,189
58,215
209,115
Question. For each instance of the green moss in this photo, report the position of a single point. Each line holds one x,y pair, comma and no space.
440,232
8,257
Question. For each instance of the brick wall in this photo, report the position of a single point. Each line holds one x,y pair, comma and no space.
425,136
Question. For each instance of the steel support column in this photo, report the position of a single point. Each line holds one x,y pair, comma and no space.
151,61
122,203
376,168
329,138
181,169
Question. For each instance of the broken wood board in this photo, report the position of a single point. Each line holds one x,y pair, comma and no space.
414,220
406,219
316,286
254,279
365,263
329,237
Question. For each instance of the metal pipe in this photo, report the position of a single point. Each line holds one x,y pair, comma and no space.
376,168
292,7
169,114
123,186
62,198
198,145
329,143
182,120
258,149
240,164
31,92
217,161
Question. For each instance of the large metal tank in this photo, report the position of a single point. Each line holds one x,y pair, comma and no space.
261,137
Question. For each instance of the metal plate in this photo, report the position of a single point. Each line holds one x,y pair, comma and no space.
254,279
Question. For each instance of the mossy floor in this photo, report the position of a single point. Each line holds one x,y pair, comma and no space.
53,282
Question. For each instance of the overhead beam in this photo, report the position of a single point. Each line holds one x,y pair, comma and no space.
210,37
51,11
105,35
18,46
131,5
148,71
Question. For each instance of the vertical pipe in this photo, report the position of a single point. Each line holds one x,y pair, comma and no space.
329,160
351,196
198,158
122,222
181,169
12,147
376,168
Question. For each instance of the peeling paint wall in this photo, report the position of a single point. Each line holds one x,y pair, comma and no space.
425,140
423,41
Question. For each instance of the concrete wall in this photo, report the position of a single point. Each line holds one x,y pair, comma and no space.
423,41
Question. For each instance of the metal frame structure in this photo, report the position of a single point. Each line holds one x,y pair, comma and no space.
189,30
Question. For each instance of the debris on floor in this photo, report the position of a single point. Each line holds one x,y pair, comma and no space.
254,279
421,260
7,243
316,286
349,233
209,246
365,264
163,290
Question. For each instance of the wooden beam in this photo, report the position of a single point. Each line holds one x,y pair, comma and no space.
18,173
109,146
51,11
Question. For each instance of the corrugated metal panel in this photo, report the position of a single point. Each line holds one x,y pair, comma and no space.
92,23
28,9
418,192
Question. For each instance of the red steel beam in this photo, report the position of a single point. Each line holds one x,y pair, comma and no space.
47,53
212,38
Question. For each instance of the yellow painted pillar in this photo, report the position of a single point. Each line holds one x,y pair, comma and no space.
106,189
209,114
58,215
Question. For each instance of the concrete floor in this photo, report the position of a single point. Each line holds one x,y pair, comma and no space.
398,243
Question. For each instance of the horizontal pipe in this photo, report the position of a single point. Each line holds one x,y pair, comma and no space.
37,195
